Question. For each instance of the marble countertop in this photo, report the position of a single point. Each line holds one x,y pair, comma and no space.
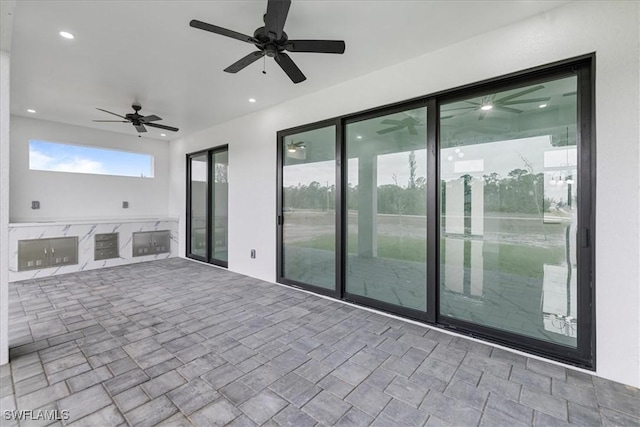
46,223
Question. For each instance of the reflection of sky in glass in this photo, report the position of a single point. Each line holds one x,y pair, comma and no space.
535,155
56,157
500,157
199,169
388,165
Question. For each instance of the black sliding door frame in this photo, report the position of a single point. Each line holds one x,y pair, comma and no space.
583,67
210,199
583,355
360,299
336,292
189,222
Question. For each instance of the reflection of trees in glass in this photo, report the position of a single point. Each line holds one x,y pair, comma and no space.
312,196
221,171
519,192
412,169
392,198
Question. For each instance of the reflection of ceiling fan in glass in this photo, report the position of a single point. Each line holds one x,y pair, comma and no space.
296,150
292,147
504,103
410,123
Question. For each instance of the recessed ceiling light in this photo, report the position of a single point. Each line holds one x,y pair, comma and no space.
542,105
486,107
31,110
163,134
359,136
252,100
67,35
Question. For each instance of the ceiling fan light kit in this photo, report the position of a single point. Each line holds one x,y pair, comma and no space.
272,41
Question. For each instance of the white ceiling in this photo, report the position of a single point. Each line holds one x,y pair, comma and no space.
145,51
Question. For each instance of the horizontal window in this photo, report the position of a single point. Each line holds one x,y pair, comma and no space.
59,157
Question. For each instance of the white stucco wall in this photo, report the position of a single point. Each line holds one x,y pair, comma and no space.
608,28
4,207
102,195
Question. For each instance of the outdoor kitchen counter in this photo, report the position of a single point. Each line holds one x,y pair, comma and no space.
85,231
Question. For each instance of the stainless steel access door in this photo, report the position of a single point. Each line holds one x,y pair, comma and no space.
33,254
63,251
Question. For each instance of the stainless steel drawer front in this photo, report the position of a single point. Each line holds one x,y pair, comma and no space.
106,254
106,246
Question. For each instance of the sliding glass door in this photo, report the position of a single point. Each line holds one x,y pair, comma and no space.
509,210
471,210
197,165
386,199
308,209
219,220
207,205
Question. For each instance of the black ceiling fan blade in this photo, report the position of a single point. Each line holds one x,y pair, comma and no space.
517,94
112,121
526,101
140,128
111,113
247,60
392,122
481,115
461,108
151,118
391,129
289,67
508,109
222,31
317,46
276,16
155,125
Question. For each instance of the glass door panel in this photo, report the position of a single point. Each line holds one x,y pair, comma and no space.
308,207
220,205
386,195
198,199
508,171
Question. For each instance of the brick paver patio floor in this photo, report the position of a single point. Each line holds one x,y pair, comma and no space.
179,343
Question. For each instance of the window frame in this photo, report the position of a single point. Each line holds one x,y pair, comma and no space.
583,67
209,152
336,292
367,301
151,157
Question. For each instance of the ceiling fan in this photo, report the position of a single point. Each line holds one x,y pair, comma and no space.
272,41
503,104
138,121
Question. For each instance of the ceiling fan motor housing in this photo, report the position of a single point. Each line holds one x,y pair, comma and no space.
266,42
